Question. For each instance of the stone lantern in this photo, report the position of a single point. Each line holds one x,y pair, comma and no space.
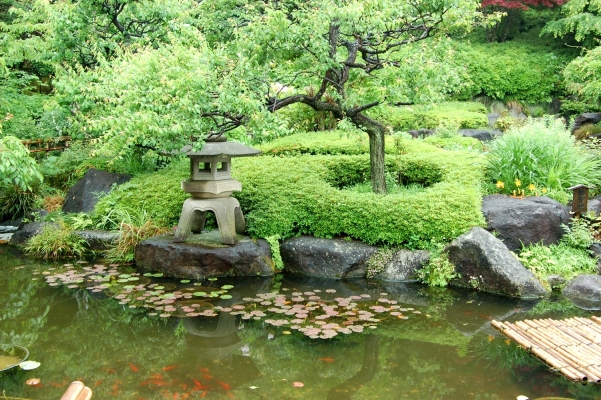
211,186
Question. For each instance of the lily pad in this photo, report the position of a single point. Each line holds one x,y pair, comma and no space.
29,365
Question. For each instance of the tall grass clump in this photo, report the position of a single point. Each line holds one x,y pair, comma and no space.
133,228
541,157
55,242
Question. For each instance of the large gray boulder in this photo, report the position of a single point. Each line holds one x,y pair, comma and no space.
485,263
585,119
403,266
529,220
204,256
585,291
98,240
594,205
84,195
325,258
482,135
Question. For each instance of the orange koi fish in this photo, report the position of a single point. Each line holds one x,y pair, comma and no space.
169,367
134,368
224,385
327,359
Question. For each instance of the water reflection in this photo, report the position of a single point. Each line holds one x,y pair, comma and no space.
211,343
448,351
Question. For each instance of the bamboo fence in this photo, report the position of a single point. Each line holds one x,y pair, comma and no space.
571,346
46,145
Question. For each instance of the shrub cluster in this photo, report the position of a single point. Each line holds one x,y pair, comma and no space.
510,70
457,114
288,196
541,157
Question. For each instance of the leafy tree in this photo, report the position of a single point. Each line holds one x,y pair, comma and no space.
582,19
513,11
16,167
340,57
160,98
582,79
343,57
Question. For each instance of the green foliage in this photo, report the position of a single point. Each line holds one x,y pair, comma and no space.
56,242
161,98
16,202
23,112
541,157
578,235
581,77
560,259
510,70
439,271
377,262
16,167
274,244
287,196
133,229
458,114
314,143
159,193
581,19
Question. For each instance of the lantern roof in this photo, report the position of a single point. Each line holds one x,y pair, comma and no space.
224,149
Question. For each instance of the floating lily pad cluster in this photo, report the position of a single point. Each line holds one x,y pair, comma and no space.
136,290
319,318
316,314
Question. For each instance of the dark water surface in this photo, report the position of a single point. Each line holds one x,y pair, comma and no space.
447,350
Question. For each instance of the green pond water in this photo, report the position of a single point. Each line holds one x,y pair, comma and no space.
130,336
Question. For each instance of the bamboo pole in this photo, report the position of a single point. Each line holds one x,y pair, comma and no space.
536,336
551,336
576,336
596,319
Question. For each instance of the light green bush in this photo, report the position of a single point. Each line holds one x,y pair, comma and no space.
288,196
560,259
458,114
541,157
510,71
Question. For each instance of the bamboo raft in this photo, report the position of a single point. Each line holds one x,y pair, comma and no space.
571,346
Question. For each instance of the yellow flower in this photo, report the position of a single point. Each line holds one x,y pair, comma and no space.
544,190
517,182
532,187
500,185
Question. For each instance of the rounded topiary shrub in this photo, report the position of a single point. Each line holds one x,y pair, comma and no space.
305,194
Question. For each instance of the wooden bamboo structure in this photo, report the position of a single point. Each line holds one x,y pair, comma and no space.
571,346
46,145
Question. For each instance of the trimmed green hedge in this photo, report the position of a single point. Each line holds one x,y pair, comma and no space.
511,71
463,115
288,196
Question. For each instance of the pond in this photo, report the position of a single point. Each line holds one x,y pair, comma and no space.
131,336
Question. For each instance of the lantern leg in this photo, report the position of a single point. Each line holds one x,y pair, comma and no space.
199,218
185,221
240,221
226,218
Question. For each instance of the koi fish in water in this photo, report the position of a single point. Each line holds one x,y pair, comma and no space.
326,359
